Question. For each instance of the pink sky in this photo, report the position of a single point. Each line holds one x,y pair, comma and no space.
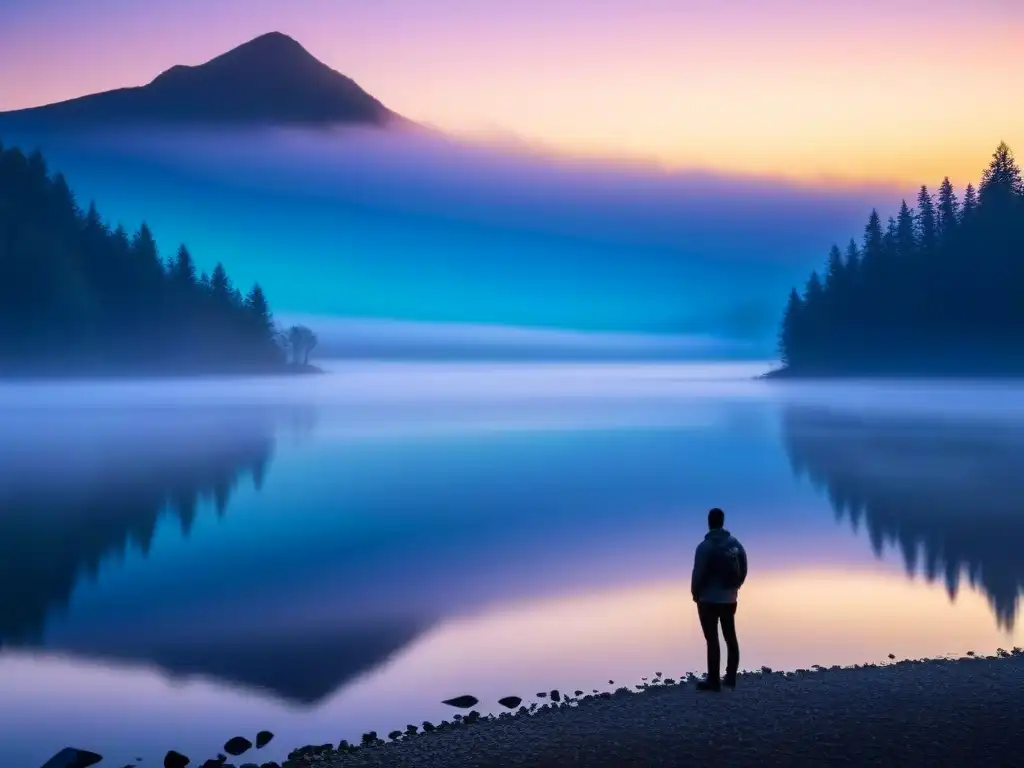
904,90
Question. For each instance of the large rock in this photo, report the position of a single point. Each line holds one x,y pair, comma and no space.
69,757
175,760
237,745
263,738
462,702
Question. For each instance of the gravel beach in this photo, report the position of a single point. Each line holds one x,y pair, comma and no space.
961,712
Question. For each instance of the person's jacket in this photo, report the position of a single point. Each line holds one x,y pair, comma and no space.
705,585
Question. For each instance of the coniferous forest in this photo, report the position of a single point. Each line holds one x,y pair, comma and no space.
77,297
938,289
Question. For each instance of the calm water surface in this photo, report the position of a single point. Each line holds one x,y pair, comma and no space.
185,562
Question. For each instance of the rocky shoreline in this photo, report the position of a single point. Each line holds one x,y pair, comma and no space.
931,712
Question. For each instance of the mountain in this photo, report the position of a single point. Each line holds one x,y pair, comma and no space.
271,80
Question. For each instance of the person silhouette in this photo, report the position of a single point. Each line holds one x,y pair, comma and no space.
719,570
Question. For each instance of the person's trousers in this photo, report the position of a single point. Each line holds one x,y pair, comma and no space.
711,614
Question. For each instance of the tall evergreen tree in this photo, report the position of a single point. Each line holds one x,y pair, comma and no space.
121,242
144,247
814,293
1001,181
93,224
948,212
890,241
789,341
874,244
220,285
257,307
183,270
927,223
906,236
970,204
835,271
853,261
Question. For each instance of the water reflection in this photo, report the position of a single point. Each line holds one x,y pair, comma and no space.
362,546
174,575
949,494
78,488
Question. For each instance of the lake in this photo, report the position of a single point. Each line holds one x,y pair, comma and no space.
321,556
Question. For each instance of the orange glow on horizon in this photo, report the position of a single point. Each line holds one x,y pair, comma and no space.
839,93
787,619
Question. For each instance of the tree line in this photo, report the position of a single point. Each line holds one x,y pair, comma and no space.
77,296
937,289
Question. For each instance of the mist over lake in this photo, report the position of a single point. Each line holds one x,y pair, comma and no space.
339,553
414,226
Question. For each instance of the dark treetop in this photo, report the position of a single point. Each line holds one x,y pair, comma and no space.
938,290
79,298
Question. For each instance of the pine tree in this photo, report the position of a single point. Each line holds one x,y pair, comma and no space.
183,269
874,243
144,245
38,173
1001,181
147,260
93,224
835,271
121,239
220,285
969,206
814,293
948,212
852,262
64,204
789,341
906,235
890,239
927,224
257,307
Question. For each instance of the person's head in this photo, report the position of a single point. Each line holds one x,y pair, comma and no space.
716,519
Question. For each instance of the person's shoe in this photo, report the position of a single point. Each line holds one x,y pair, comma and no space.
729,681
709,685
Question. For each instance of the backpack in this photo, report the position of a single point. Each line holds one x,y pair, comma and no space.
725,565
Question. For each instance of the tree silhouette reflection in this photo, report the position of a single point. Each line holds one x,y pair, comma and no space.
948,494
82,486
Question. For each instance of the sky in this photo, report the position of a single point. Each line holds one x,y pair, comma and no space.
902,91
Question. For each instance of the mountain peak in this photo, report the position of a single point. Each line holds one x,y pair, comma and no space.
275,45
273,54
271,79
273,38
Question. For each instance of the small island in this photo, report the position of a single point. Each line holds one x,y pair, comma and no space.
78,298
937,291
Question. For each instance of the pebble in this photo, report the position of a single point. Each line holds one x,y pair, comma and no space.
944,713
931,712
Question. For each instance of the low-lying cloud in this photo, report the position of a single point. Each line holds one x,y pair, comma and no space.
516,186
416,226
407,340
